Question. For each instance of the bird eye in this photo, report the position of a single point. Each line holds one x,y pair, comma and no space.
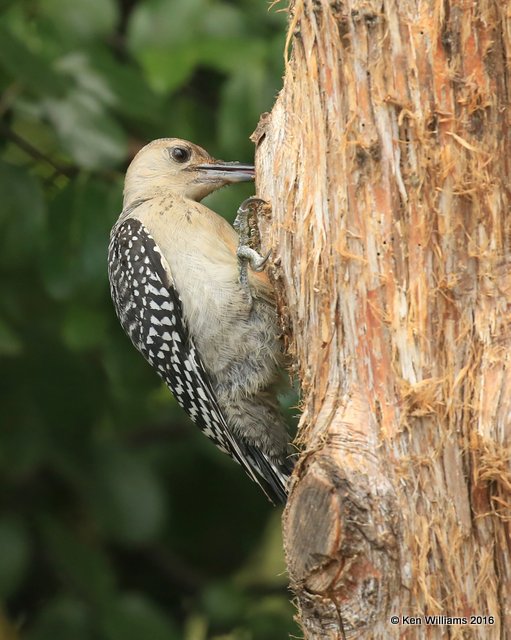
180,154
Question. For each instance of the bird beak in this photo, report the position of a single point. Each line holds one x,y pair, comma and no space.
227,172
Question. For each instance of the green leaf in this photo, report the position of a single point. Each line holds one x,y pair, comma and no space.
161,36
133,617
77,66
84,327
84,566
60,265
266,565
21,216
243,97
76,244
28,68
269,618
164,23
170,40
14,555
87,131
222,20
131,93
229,54
223,603
169,68
80,20
10,344
63,617
127,497
130,379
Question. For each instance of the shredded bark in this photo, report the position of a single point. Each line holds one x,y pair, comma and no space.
386,163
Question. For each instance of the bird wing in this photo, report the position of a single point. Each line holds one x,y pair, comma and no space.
150,311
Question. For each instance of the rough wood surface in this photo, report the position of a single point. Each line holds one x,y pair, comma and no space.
386,160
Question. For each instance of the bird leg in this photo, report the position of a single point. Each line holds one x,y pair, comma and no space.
246,226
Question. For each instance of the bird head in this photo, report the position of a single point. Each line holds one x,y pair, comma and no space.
171,164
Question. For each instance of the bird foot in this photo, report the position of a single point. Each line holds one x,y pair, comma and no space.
248,255
246,226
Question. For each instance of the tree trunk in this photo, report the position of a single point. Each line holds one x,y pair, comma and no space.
386,160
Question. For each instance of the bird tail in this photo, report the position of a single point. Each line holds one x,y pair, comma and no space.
271,475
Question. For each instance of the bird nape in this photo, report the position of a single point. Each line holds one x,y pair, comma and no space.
207,323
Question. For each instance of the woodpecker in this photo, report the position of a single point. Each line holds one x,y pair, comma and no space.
194,300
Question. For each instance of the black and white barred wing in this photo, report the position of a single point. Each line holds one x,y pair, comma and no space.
150,311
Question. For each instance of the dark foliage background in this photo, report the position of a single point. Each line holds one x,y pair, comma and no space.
118,520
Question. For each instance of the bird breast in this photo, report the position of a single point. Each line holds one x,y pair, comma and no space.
200,249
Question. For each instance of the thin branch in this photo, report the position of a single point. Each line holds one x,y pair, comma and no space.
67,171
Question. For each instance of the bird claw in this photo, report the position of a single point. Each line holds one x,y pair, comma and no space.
245,253
246,208
256,261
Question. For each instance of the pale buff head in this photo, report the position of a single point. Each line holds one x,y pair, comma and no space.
180,167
